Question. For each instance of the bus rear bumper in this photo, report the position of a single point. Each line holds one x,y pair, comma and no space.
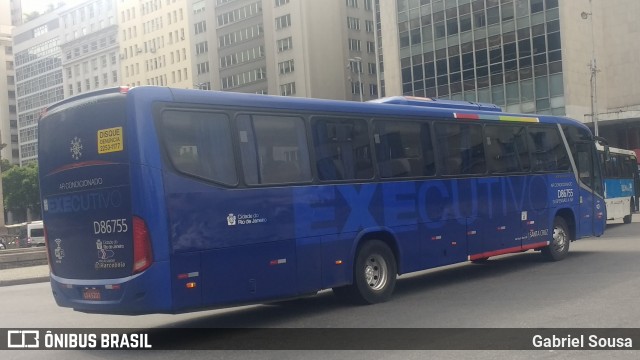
144,293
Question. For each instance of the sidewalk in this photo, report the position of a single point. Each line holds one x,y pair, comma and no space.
24,275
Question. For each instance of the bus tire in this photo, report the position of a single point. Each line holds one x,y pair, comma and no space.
627,219
374,275
559,246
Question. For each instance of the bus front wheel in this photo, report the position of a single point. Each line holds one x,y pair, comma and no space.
374,275
559,246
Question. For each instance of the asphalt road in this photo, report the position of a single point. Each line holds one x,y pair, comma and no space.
597,286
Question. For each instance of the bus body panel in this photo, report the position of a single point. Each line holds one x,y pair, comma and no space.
86,191
216,245
138,294
88,204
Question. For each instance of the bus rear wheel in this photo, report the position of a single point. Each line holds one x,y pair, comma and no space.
627,219
559,246
374,275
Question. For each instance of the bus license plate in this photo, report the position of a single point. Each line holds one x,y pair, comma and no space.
91,294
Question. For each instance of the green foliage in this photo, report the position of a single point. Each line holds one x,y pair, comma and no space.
21,189
5,165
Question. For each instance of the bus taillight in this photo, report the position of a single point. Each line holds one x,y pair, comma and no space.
142,254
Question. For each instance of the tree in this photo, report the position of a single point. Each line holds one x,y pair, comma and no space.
5,165
30,16
21,190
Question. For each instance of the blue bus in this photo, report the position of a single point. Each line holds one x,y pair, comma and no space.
620,172
160,200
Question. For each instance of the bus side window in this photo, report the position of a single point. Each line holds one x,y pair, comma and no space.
506,149
403,149
273,149
461,148
547,149
343,150
199,143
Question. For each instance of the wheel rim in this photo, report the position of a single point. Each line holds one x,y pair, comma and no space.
376,272
559,238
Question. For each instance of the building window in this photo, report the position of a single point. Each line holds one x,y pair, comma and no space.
368,25
239,14
201,27
372,68
356,87
286,66
352,3
202,47
373,89
371,47
283,22
288,89
281,2
354,45
244,78
40,30
353,23
285,44
203,68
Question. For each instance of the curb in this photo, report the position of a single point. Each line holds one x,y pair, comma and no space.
33,280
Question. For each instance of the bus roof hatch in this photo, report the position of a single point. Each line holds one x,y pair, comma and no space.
438,103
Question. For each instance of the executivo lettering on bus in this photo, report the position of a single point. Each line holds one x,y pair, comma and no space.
83,202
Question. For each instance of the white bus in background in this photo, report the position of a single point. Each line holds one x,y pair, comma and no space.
35,233
619,168
25,234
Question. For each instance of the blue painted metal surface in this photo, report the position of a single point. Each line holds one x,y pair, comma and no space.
215,246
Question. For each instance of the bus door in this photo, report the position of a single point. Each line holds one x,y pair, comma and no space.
592,217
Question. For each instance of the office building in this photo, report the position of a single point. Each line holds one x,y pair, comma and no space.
306,48
10,16
155,43
38,76
531,56
90,48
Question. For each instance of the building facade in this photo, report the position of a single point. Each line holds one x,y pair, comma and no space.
38,76
155,43
10,16
528,56
8,110
89,47
307,48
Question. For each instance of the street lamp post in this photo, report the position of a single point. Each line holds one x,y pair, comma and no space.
358,60
593,69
